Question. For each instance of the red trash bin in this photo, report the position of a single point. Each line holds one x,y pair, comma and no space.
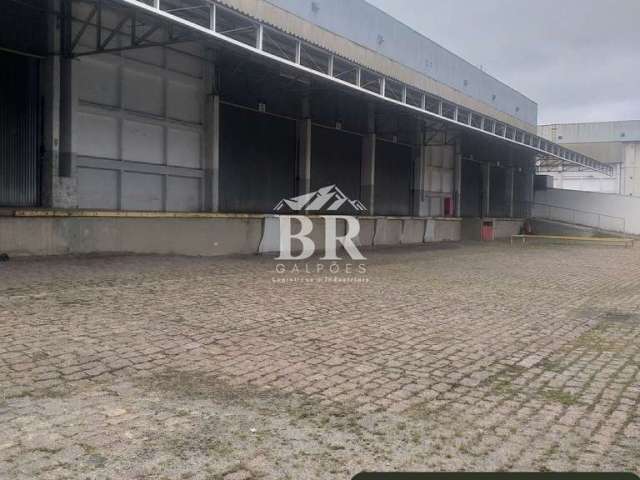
486,233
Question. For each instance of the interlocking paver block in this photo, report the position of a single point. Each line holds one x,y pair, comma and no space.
474,357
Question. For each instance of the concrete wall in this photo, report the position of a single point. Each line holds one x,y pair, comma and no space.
443,230
605,211
270,240
586,181
196,235
631,169
628,131
503,228
164,236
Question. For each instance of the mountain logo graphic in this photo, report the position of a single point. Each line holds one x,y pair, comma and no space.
329,198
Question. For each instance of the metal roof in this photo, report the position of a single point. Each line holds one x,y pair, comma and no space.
384,34
262,40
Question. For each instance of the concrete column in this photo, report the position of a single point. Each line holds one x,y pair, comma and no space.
457,179
212,154
304,150
50,87
368,164
212,141
486,190
368,172
66,119
509,194
59,183
418,175
532,190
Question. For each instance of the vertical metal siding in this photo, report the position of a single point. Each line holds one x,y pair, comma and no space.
19,131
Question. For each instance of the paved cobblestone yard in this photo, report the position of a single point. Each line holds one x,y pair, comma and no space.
455,357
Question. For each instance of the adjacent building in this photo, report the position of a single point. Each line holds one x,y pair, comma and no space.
613,143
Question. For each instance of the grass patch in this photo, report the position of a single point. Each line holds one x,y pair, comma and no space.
553,366
595,341
559,396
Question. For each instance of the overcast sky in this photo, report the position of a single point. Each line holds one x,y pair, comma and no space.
578,59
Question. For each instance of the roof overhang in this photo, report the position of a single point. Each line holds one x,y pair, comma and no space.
150,17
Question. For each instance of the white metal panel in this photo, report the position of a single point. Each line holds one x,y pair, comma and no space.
183,194
100,81
184,148
142,92
142,191
184,101
184,63
447,181
436,207
150,55
138,123
449,157
436,156
436,179
98,188
97,135
426,174
142,142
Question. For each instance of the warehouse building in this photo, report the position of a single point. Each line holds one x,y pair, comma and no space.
613,143
159,125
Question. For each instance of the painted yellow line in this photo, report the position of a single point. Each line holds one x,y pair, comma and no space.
59,213
610,240
115,214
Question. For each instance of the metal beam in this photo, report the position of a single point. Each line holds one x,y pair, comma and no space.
84,26
164,15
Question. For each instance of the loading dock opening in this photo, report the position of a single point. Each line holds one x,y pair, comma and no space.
150,106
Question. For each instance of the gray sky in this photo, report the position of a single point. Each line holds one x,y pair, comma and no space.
578,59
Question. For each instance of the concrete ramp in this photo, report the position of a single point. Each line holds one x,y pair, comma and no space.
553,227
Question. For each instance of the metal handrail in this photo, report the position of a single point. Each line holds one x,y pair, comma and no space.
578,217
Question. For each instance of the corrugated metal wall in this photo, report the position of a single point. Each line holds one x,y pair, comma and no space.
471,205
393,179
498,197
257,160
19,131
335,160
522,192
